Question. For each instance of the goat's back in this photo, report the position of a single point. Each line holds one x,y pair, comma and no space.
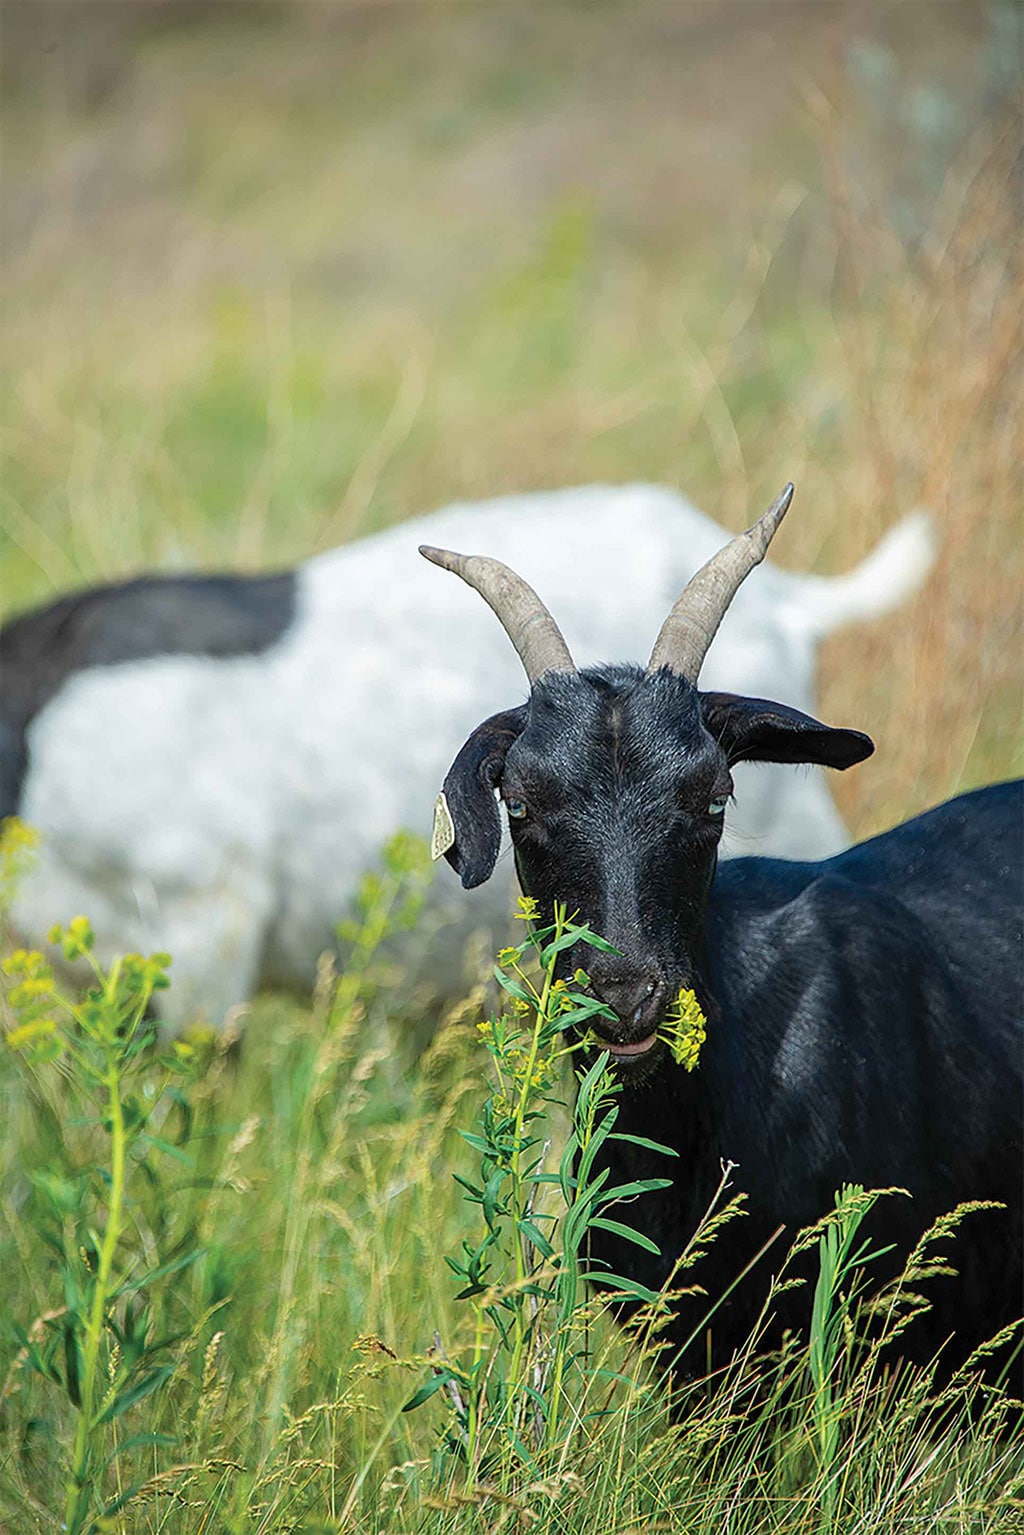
956,869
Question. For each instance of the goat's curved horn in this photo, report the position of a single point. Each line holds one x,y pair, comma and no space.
685,636
519,610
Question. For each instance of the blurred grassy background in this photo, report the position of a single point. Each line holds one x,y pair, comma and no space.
280,274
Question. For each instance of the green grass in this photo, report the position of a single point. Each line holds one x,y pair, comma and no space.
277,277
230,1309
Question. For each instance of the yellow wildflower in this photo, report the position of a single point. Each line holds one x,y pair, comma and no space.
26,962
16,837
28,1033
685,1030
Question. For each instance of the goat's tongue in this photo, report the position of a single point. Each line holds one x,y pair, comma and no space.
639,1048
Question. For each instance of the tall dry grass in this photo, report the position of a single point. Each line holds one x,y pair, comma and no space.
934,362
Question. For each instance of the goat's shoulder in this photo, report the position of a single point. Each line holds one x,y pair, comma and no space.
842,1006
793,945
828,981
912,896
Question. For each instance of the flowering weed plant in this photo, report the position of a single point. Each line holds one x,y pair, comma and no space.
515,1394
108,1347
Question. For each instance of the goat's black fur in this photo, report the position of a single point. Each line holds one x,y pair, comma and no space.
863,1013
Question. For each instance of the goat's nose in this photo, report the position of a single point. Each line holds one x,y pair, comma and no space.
632,993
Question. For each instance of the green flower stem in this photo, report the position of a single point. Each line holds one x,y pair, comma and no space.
473,1401
518,1202
79,1485
568,1290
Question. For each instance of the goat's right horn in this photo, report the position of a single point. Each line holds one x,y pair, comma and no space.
687,632
525,619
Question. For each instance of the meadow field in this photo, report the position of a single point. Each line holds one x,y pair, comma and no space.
279,275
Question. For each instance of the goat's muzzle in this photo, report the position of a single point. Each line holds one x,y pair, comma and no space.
638,995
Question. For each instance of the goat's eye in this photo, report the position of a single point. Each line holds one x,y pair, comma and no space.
516,809
718,804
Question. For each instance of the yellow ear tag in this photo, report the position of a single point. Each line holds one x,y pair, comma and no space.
443,835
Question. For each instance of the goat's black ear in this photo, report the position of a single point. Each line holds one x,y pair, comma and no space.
755,730
469,790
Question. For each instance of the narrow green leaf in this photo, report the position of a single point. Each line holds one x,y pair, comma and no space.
584,935
172,1266
640,1186
71,1365
597,1140
590,1087
428,1390
470,1188
538,1239
143,1388
123,1498
589,1007
514,987
641,1140
491,1197
167,1149
617,1284
566,941
44,1366
627,1233
476,1141
141,1442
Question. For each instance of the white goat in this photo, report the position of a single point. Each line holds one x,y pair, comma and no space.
213,762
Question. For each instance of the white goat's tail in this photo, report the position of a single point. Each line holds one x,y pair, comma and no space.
893,571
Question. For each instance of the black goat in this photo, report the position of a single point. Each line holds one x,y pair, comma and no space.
862,1011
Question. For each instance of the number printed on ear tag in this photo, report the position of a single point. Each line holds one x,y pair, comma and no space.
443,835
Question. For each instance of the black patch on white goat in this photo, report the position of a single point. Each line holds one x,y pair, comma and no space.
219,616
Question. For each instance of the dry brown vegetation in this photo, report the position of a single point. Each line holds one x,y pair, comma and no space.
929,356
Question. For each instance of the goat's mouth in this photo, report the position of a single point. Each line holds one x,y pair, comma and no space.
624,1052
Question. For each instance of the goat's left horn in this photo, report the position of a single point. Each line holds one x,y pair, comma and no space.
525,619
685,636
